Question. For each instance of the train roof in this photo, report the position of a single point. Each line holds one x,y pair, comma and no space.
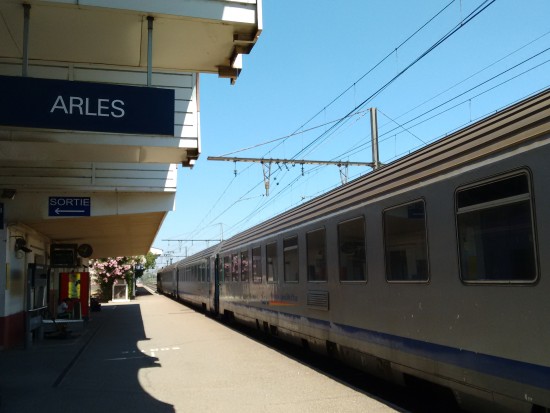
524,121
208,252
168,267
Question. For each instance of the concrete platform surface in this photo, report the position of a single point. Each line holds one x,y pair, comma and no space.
154,355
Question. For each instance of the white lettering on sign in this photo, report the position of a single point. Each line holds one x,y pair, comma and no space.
75,105
74,202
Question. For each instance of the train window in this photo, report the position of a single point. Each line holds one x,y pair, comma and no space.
257,265
351,250
290,255
495,231
234,267
244,266
271,262
227,268
316,255
405,240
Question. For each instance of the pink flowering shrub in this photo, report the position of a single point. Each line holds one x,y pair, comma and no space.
109,271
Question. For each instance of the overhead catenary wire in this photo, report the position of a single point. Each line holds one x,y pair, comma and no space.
352,86
385,135
362,112
476,73
343,119
329,132
434,46
323,136
478,85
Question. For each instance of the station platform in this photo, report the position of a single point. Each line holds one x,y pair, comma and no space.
153,354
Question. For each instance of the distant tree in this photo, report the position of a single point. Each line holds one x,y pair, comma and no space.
150,261
109,271
146,262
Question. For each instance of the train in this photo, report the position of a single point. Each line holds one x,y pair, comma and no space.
430,269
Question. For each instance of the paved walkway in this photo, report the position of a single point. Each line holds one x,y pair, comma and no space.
155,355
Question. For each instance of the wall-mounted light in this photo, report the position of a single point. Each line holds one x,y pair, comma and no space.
21,245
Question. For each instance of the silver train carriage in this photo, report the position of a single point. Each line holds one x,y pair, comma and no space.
432,267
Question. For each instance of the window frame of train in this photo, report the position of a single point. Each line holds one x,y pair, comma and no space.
226,268
291,251
352,250
495,222
316,255
400,262
244,264
257,264
271,262
235,267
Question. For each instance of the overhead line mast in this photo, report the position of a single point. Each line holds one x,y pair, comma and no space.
267,162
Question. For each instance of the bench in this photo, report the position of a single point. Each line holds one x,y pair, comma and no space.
67,324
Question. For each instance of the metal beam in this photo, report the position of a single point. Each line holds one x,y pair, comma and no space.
289,161
194,240
150,20
26,24
266,165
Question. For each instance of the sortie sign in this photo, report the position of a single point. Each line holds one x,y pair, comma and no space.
86,106
64,206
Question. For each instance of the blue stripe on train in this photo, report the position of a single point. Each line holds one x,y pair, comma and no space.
518,371
527,373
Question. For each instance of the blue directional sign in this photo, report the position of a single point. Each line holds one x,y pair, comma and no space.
69,206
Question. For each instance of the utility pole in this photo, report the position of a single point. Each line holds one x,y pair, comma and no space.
374,139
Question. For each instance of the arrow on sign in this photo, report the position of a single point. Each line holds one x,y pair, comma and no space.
60,211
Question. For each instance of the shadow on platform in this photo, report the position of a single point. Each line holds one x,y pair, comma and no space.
101,370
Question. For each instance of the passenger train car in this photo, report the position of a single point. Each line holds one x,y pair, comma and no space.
433,268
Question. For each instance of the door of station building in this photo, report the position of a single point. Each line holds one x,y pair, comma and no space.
76,287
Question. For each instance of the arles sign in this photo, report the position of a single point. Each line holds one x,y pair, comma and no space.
85,106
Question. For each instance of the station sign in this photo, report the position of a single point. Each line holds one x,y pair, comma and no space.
66,206
86,106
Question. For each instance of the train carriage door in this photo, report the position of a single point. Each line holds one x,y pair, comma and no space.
217,284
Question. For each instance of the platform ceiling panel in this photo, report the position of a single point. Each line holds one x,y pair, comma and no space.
194,35
95,36
116,235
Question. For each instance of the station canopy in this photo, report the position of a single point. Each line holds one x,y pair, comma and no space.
108,41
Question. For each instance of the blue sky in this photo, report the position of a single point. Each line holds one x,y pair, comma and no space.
310,77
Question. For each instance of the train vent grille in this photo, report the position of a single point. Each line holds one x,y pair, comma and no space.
317,299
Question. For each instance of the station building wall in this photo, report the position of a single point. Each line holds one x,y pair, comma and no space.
13,281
